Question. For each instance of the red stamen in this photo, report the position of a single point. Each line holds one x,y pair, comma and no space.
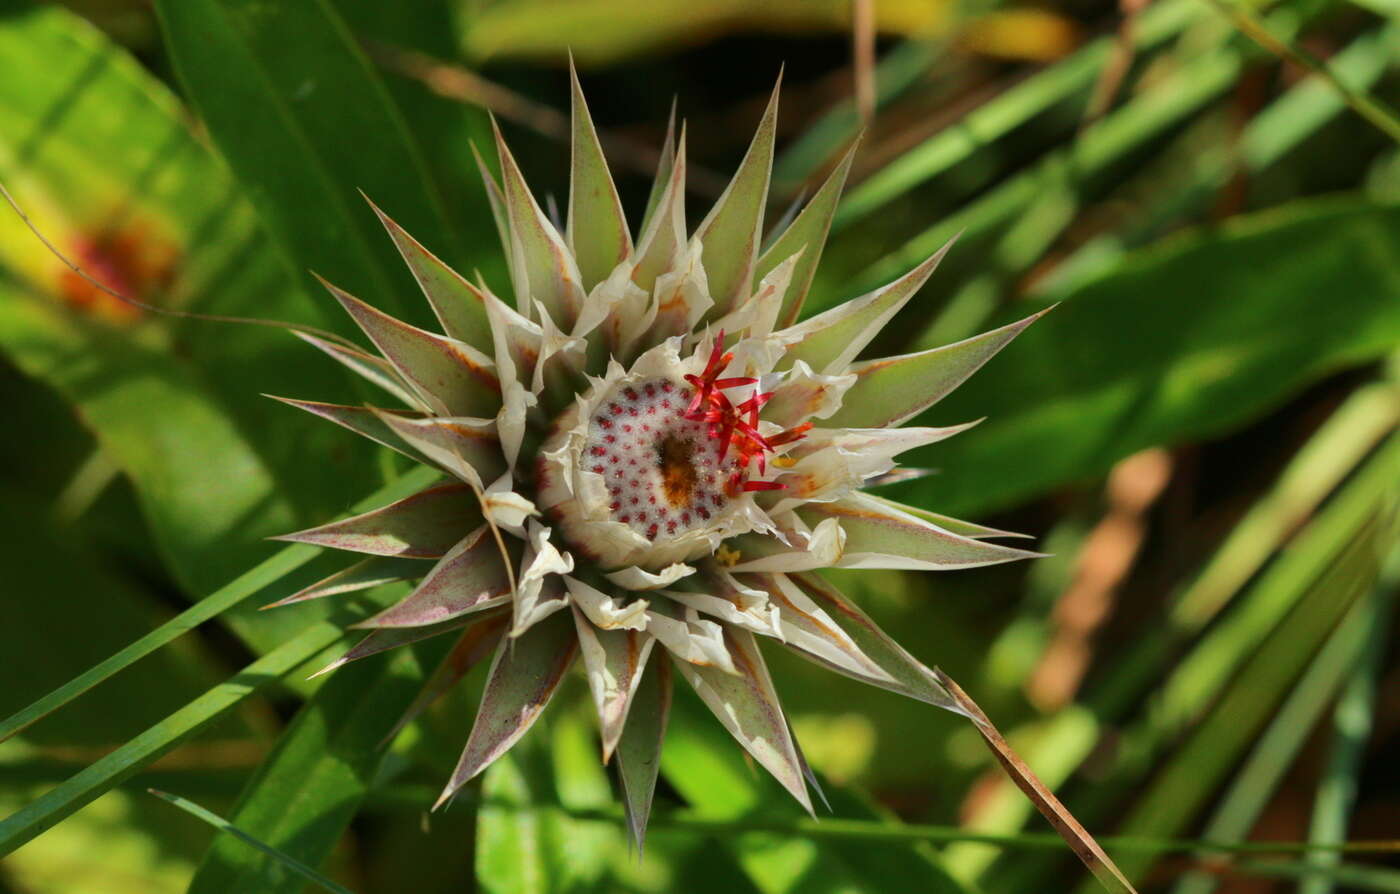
764,485
796,433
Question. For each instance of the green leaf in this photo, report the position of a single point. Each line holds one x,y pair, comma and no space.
880,536
1187,781
542,268
614,662
639,749
526,841
747,704
304,121
87,784
306,792
1006,111
99,152
710,772
458,307
248,584
293,865
1182,341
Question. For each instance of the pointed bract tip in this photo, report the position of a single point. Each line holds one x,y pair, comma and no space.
339,662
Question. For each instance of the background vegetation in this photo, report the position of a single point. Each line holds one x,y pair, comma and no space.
1203,434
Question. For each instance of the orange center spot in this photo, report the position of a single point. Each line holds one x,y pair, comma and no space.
678,476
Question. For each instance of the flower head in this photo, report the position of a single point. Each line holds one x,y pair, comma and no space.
645,458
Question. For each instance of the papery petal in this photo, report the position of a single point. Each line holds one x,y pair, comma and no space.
424,526
807,626
557,377
746,703
802,394
524,676
614,661
518,343
831,462
688,636
892,389
757,315
507,508
363,575
539,592
807,548
634,578
470,578
721,595
680,297
515,339
615,314
607,612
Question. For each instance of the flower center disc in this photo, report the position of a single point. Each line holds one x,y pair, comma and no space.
663,471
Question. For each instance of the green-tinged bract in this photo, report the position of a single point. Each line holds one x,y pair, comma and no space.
645,460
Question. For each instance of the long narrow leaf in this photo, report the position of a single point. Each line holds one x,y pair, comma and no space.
224,825
254,581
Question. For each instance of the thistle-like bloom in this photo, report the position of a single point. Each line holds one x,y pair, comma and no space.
646,460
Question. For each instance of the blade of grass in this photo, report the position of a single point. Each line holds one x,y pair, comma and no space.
1268,138
1352,722
284,90
224,825
1384,118
409,796
897,71
1191,776
1064,740
1279,589
1352,876
1198,81
1288,730
1079,840
246,585
87,784
310,787
1003,114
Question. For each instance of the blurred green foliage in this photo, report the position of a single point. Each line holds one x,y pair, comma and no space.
1205,656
